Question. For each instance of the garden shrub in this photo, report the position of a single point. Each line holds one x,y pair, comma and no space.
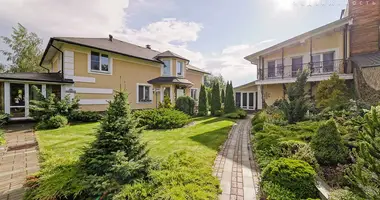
297,176
215,100
45,107
238,114
175,179
162,118
185,104
274,191
85,116
296,106
166,104
342,194
328,145
116,157
53,122
218,113
364,174
332,93
229,102
203,104
258,121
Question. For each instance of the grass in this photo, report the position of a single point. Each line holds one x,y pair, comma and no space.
60,150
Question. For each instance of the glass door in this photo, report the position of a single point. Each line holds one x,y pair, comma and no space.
17,100
245,96
238,99
250,101
296,66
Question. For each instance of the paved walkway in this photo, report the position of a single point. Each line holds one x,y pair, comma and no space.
235,166
18,159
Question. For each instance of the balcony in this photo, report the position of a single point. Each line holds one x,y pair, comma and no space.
315,69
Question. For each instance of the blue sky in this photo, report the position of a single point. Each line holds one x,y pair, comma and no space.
213,34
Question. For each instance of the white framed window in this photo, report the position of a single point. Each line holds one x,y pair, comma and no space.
194,93
99,62
144,93
166,68
179,67
323,62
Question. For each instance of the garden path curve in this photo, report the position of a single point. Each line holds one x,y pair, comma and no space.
235,166
18,159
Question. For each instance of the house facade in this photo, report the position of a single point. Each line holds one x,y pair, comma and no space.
93,68
338,47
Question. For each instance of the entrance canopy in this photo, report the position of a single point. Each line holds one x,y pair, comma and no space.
171,80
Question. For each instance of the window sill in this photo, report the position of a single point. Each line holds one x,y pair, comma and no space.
144,102
99,72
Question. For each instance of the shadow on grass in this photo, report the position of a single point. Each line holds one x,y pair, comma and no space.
216,119
212,139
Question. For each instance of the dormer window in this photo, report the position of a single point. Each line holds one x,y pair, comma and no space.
179,68
166,68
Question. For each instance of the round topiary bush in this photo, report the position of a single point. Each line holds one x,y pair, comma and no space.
185,104
328,145
296,176
53,122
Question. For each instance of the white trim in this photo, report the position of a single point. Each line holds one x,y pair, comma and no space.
150,93
26,98
82,79
43,90
69,72
259,98
94,101
83,90
7,98
68,63
110,63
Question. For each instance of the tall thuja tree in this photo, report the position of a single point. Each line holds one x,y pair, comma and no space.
202,106
209,96
364,175
215,101
222,96
25,52
296,106
117,156
229,106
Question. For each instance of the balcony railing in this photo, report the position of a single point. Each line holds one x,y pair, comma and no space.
315,69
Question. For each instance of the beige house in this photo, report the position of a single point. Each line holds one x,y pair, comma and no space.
93,68
322,51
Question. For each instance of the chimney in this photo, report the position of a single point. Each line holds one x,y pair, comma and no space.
148,46
110,37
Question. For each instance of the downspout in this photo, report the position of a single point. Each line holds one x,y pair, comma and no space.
48,70
63,77
345,49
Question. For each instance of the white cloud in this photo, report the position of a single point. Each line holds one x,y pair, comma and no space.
288,5
98,18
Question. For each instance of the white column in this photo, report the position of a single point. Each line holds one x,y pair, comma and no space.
43,90
259,99
7,98
254,100
26,98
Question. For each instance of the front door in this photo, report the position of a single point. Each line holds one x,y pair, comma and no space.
17,100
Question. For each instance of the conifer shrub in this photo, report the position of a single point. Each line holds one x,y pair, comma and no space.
167,103
275,191
117,156
53,122
332,93
161,118
328,145
185,104
229,103
216,105
203,104
258,121
296,176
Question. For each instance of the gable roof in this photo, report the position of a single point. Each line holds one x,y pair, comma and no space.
167,54
115,46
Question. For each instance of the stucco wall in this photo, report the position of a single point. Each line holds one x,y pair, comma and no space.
126,74
272,93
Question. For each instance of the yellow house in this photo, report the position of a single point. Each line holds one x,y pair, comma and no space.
322,51
93,68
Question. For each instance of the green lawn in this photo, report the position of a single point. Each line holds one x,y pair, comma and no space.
203,138
61,148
